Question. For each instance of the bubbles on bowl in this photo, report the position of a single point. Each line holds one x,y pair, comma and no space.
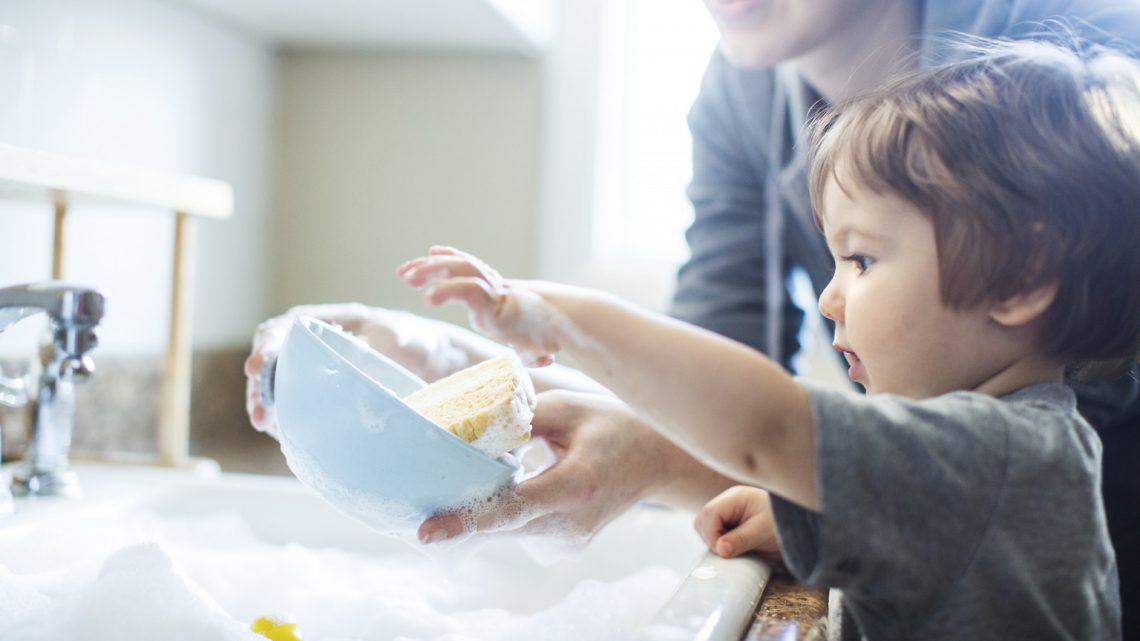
385,515
353,440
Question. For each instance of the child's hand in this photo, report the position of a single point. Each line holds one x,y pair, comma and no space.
507,310
739,520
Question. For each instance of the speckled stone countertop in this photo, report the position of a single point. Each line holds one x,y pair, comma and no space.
789,611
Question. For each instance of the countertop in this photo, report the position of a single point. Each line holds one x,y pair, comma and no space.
789,611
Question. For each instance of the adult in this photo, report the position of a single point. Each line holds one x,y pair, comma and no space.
776,60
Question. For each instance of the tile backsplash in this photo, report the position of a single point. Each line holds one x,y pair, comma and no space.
118,411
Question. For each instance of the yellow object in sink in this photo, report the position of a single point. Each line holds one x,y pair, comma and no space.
274,630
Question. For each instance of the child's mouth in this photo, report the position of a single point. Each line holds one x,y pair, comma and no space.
855,372
855,369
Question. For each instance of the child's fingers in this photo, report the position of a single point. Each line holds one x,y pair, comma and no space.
475,293
495,309
446,262
709,525
443,250
719,515
422,271
485,270
727,546
752,534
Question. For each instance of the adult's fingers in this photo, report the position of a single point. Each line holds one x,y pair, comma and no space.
531,506
259,416
507,510
440,527
546,502
555,416
253,363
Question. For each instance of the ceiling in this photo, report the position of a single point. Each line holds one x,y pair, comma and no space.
493,26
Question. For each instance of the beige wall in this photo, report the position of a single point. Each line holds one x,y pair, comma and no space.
383,154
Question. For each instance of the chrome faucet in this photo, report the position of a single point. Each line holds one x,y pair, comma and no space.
13,393
73,312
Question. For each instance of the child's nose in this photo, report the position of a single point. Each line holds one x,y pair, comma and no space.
831,302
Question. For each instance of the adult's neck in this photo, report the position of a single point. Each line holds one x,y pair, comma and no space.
866,53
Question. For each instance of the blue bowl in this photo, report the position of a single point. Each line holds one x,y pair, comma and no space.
346,434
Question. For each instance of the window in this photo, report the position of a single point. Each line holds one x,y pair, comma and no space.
653,55
623,74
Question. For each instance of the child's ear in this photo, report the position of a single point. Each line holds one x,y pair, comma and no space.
1023,308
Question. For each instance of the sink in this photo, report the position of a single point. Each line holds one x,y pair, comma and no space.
153,553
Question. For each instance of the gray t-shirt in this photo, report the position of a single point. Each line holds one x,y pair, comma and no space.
958,517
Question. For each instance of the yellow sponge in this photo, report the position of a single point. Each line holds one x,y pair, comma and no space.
275,630
489,405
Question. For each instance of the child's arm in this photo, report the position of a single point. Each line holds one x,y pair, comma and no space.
726,403
739,520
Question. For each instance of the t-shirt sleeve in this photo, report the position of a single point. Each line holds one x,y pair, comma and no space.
907,489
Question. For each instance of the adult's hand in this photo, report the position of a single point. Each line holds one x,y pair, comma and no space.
428,348
607,460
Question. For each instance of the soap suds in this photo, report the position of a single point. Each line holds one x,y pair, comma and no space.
107,584
391,516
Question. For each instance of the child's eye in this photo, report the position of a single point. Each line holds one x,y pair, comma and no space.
861,262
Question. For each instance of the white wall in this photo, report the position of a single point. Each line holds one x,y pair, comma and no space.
569,142
144,83
343,164
383,154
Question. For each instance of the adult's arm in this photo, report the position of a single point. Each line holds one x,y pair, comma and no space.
607,459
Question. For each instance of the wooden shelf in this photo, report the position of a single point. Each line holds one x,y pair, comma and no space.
28,174
64,181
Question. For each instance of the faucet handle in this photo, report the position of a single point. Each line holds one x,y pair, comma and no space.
76,368
13,391
69,358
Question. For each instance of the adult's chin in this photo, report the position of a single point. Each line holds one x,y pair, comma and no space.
746,51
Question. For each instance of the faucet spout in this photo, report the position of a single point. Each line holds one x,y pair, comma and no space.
67,304
74,312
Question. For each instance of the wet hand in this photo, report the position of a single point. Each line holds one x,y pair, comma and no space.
511,311
267,342
428,349
607,460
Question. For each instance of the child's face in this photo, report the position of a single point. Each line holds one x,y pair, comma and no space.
890,321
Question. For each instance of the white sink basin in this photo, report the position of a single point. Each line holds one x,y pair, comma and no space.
224,549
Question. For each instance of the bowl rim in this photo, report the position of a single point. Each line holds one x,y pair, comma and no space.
307,323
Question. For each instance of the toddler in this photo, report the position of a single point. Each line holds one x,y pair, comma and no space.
984,218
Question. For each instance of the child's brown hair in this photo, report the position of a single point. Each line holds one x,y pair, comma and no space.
1026,158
